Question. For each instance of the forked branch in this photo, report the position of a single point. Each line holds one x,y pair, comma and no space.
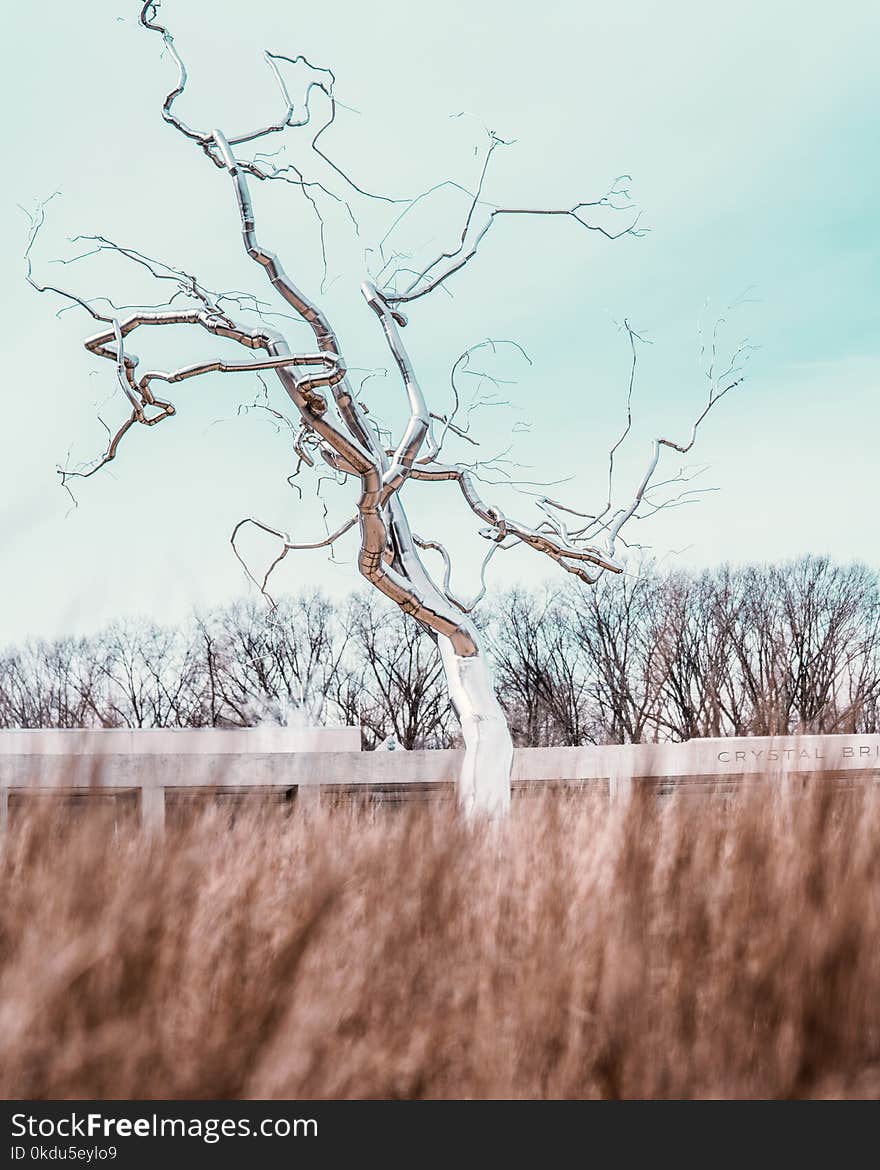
333,426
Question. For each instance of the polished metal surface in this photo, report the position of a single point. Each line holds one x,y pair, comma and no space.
334,423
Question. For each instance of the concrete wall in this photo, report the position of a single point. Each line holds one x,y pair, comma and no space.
149,761
306,762
178,741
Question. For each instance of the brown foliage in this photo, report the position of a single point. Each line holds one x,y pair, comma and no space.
683,947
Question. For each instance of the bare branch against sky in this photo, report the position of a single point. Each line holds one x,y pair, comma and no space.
730,135
334,422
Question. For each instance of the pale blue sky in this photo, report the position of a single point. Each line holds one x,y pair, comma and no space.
750,133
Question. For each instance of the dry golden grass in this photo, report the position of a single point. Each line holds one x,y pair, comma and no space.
693,948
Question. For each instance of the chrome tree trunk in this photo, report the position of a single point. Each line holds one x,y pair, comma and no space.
333,424
484,781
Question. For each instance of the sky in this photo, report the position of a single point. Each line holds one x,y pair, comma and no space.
749,132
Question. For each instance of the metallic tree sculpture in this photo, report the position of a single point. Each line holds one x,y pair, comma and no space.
334,424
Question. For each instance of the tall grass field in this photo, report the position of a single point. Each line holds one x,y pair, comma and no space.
673,948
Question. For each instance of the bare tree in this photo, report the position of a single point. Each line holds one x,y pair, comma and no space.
151,676
757,650
620,631
399,678
516,638
770,649
804,637
542,670
699,691
275,667
57,684
333,424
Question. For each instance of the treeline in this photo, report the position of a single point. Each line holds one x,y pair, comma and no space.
757,650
